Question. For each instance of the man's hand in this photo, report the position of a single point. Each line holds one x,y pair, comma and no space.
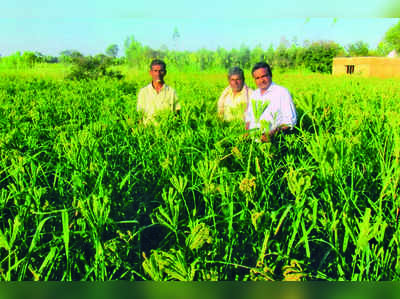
276,130
265,137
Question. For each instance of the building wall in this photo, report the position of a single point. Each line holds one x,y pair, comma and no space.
382,67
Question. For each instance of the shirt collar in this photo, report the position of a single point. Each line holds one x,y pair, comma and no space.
162,88
244,89
270,87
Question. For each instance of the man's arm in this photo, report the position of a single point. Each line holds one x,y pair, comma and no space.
249,115
140,101
140,105
221,105
246,111
287,116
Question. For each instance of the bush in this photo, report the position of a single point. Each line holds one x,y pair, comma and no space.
318,56
92,68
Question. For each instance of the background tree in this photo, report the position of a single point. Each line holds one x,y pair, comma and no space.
383,48
50,59
205,58
221,56
112,50
29,58
39,57
233,58
269,56
257,54
13,60
281,59
392,38
92,68
292,55
67,56
175,37
135,52
319,56
359,48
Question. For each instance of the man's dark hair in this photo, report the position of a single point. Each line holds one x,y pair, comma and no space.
262,65
158,62
236,71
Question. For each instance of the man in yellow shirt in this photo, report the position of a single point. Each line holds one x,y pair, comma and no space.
157,97
233,101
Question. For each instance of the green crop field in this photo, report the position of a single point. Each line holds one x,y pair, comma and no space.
88,193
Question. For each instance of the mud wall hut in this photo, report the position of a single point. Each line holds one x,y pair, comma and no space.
382,67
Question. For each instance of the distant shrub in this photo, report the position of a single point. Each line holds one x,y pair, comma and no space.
27,59
318,57
92,68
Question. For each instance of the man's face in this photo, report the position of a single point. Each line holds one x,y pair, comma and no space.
157,73
261,78
236,83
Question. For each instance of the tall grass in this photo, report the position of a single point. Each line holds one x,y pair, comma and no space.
87,193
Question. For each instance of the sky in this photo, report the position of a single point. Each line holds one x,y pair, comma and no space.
91,26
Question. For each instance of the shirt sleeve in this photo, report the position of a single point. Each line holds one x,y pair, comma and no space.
221,102
249,115
288,115
248,103
140,101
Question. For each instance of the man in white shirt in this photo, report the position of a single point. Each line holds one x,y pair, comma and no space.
233,101
271,107
156,97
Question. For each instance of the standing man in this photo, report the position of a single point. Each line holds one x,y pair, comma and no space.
271,107
233,101
156,97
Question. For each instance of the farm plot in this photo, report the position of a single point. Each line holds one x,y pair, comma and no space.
87,193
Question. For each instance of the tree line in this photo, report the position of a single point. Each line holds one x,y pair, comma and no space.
314,56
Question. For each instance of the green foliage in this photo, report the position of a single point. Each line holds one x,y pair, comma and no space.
112,50
359,48
384,48
258,108
392,37
88,193
318,57
30,58
26,60
92,68
68,56
135,53
256,55
281,59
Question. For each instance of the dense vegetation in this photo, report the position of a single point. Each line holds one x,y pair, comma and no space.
316,56
311,56
87,193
